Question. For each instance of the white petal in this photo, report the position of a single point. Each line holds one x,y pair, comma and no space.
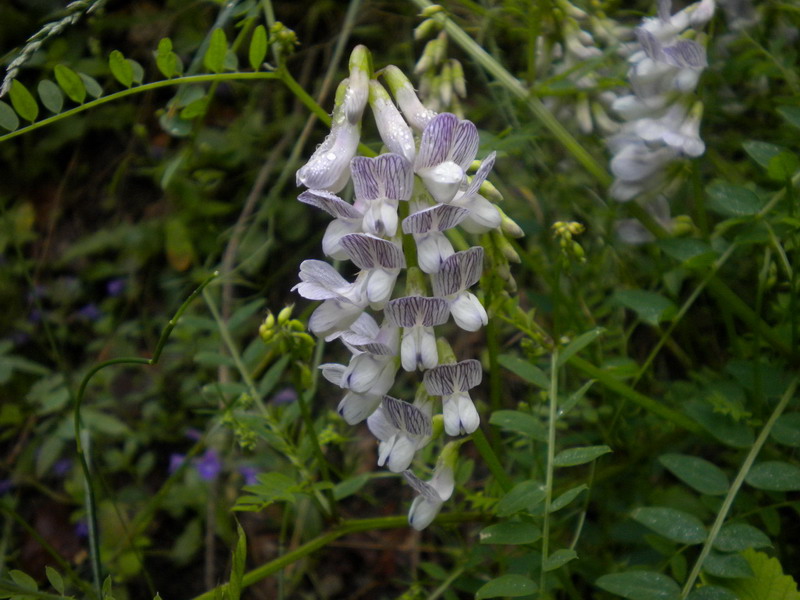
452,421
329,166
380,284
432,250
333,372
468,312
380,218
401,454
442,180
483,215
332,317
354,408
331,241
380,426
422,513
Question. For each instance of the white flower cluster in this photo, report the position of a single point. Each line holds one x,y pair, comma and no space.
425,167
661,121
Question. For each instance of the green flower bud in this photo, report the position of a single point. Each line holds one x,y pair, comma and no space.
285,314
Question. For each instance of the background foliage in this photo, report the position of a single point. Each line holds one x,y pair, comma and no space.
644,393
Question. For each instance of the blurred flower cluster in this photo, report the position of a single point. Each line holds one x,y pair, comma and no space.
661,115
404,201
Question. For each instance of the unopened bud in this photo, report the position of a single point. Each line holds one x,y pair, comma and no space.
285,314
459,83
505,247
425,29
446,354
431,10
509,226
415,282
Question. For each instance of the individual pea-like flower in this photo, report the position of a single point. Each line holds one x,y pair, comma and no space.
448,146
343,302
402,429
380,262
452,383
380,184
328,168
417,315
458,273
427,227
431,495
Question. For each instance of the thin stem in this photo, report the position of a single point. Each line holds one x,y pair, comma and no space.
489,456
136,90
91,502
737,483
551,454
346,528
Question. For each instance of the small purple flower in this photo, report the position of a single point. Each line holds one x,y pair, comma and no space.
6,485
62,467
82,529
115,287
35,316
209,465
175,462
285,396
249,473
90,312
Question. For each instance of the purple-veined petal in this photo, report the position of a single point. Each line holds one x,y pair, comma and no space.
417,310
365,182
406,417
465,144
423,488
370,252
483,172
686,54
435,218
449,379
330,203
395,176
459,272
434,148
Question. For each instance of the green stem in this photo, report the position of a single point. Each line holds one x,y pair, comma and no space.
737,483
91,502
489,456
346,528
551,455
136,90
